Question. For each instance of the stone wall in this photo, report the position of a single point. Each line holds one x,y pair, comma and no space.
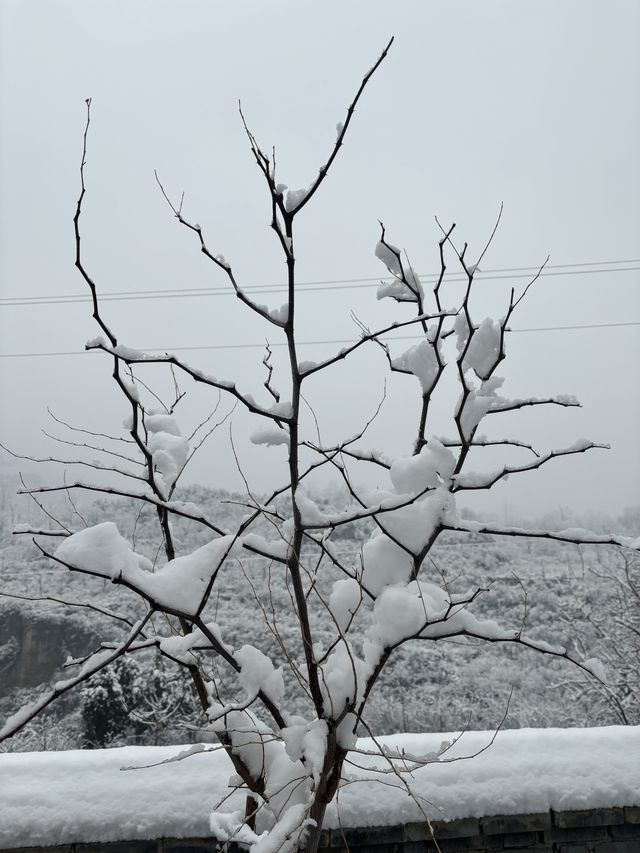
593,831
35,641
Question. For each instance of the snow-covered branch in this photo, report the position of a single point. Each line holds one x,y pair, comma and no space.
308,368
468,481
94,664
575,535
297,199
221,262
278,412
174,507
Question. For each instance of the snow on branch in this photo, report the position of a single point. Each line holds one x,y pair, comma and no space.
97,466
275,318
502,405
405,285
576,535
482,441
468,481
309,368
177,587
277,412
184,510
296,201
94,664
28,530
374,456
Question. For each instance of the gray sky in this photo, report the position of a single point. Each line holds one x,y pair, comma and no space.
531,103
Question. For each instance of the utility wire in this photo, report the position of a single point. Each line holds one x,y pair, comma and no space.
326,285
311,343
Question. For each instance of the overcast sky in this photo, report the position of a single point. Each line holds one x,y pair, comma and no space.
534,104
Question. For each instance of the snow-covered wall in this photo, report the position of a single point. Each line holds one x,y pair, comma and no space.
545,783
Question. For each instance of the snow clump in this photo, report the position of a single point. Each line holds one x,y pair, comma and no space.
270,436
180,584
422,361
483,353
169,450
405,285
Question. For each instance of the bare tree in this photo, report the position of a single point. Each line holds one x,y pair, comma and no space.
292,766
612,632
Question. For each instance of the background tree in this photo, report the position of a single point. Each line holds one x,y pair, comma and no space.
127,701
105,702
351,615
611,632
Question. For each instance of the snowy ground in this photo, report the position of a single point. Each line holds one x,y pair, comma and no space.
63,797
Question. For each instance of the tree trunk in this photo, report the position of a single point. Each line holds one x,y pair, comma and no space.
312,840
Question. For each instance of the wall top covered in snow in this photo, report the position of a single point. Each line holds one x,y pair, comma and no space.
544,782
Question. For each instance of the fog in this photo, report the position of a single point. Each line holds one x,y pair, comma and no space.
533,105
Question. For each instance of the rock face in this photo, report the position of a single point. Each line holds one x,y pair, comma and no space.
34,643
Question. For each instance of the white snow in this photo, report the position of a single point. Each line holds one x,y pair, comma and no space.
257,673
388,254
383,563
281,314
500,404
179,584
131,389
413,474
285,834
102,550
283,409
159,422
94,343
286,782
343,678
567,399
310,512
479,402
484,348
579,445
64,797
276,548
230,826
416,521
169,450
188,507
398,290
461,329
422,361
397,614
344,601
295,197
126,352
306,366
180,646
270,436
405,285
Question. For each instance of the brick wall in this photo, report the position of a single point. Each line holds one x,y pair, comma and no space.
593,831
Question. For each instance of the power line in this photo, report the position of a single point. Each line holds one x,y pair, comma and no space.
310,343
572,328
508,273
